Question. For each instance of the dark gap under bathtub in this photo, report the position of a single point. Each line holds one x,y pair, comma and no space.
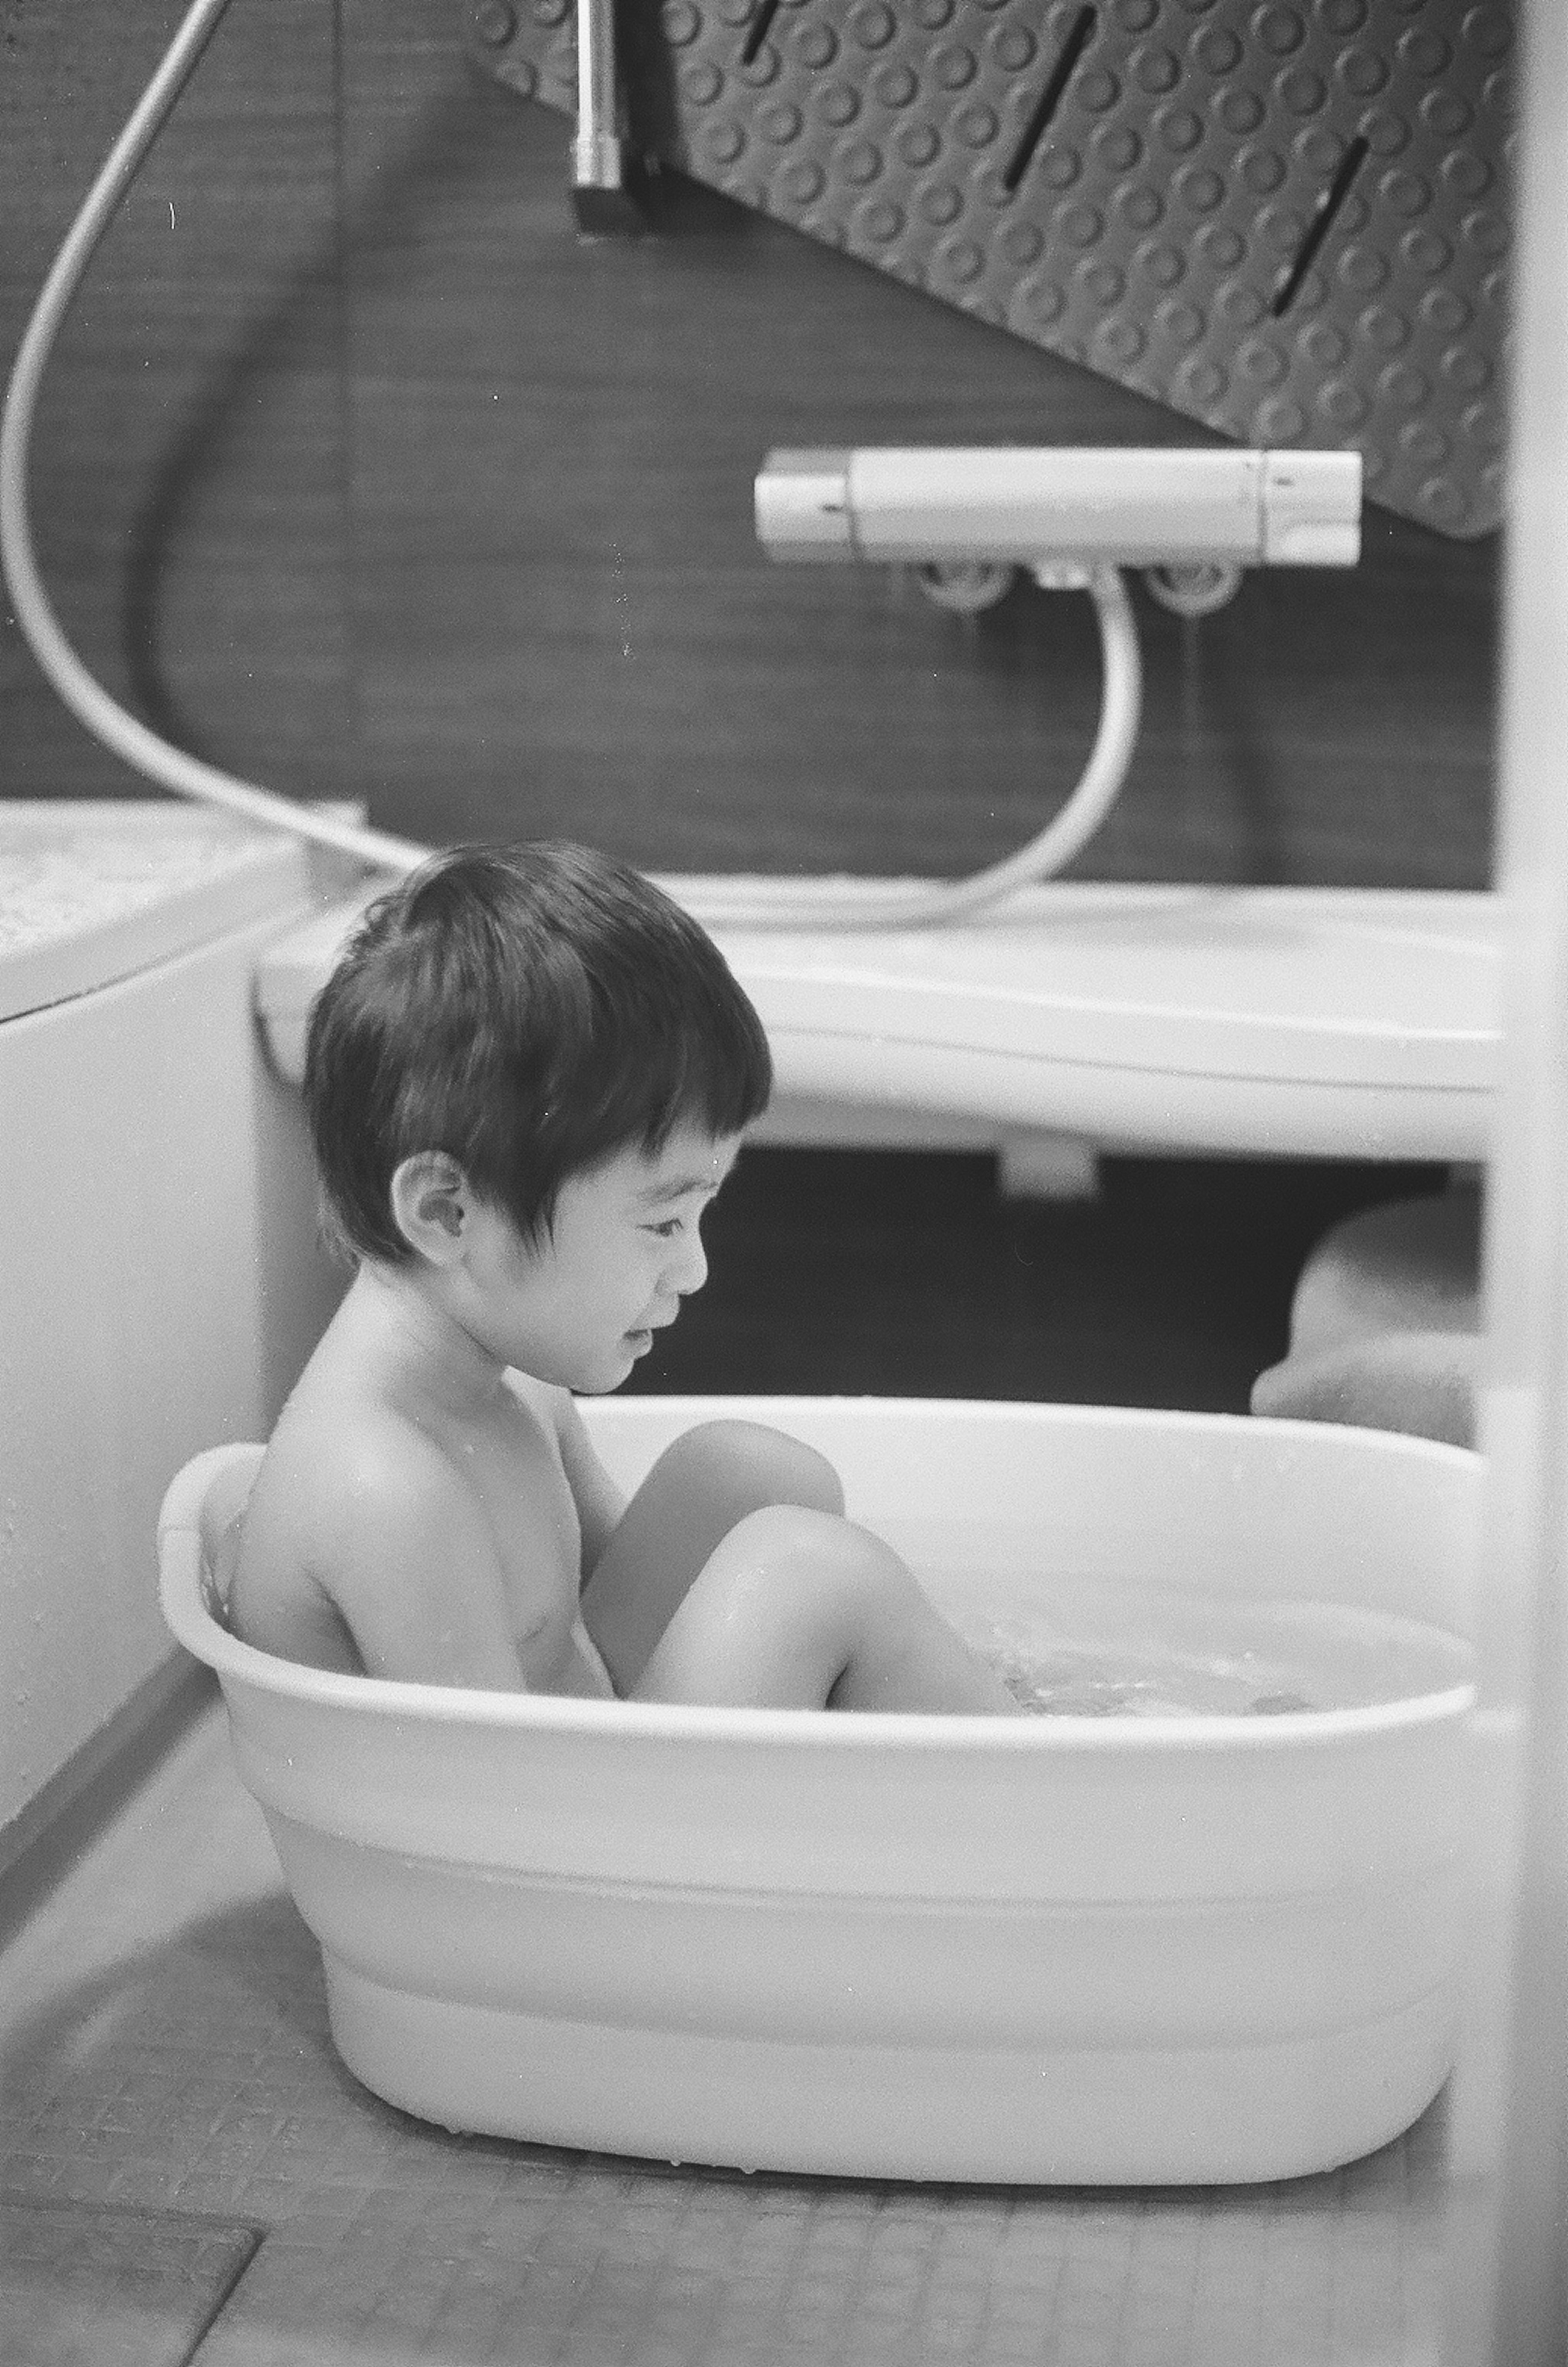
906,1274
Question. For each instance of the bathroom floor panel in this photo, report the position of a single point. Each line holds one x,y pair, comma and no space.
137,2288
168,2082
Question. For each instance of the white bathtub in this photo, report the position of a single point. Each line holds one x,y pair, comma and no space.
1071,1949
160,1283
1342,1023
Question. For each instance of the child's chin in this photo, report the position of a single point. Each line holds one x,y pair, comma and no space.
610,1372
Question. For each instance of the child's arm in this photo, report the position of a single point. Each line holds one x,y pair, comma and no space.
412,1568
600,1503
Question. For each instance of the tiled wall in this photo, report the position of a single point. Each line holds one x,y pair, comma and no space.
363,476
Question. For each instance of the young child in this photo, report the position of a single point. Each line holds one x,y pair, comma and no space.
526,1079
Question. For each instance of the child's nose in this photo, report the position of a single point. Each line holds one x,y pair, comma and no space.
688,1270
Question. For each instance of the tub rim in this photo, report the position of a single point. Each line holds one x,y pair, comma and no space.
182,1598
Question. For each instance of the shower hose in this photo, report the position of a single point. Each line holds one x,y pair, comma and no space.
810,904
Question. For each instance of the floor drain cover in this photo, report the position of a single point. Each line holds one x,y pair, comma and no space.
1288,222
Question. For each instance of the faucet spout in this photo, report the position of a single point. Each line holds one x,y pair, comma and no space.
601,201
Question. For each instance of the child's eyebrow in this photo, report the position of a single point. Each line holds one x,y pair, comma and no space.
677,1189
680,1185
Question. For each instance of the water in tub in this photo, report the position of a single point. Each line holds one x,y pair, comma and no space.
1082,1645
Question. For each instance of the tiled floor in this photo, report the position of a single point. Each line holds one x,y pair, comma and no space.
170,2091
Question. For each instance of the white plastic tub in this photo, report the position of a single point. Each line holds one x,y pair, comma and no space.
1116,1949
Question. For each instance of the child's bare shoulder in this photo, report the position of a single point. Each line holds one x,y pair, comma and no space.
346,1469
352,1502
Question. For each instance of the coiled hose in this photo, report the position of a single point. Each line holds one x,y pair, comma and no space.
811,905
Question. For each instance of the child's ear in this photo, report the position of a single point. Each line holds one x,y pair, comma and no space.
432,1205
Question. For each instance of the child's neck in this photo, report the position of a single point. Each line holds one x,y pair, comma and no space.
425,1349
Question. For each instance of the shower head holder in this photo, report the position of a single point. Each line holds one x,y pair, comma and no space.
1052,509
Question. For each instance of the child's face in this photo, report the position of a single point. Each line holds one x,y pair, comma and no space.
582,1305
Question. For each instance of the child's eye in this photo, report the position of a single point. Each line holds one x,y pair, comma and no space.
666,1230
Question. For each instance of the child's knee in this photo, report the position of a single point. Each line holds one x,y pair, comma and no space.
758,1464
825,1561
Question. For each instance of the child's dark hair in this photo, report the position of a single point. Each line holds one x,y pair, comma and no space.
531,1010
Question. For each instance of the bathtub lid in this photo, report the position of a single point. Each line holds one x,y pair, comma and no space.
93,891
1335,1021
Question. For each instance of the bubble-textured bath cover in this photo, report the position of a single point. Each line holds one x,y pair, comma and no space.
1288,222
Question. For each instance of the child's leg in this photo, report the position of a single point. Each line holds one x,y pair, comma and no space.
701,1486
804,1610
